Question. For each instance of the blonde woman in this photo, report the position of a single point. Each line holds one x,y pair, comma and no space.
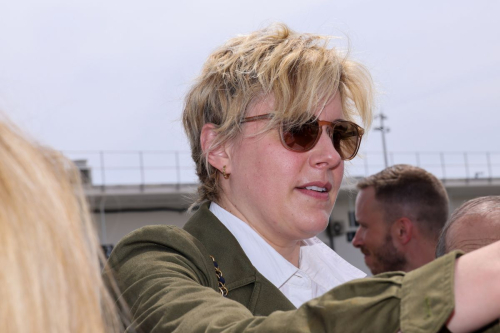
271,121
50,257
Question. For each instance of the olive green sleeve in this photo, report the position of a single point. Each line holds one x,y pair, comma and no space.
169,286
427,296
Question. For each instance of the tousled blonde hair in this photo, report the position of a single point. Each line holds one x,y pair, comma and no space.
300,71
50,278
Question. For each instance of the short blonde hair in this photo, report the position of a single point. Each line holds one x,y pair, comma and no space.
50,277
300,71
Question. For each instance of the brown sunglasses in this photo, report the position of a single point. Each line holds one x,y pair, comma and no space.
346,135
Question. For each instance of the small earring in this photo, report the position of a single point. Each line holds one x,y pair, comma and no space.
224,174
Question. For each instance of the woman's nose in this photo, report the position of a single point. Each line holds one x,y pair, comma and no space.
324,153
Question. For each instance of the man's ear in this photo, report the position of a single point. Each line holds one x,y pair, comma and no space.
403,230
218,157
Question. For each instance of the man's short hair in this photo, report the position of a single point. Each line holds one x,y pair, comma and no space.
300,71
410,191
482,207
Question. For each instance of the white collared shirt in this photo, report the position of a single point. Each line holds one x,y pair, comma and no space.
320,268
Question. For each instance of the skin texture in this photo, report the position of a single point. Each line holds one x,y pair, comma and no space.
477,290
374,236
472,232
265,187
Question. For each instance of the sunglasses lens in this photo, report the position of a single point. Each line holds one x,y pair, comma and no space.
301,138
346,138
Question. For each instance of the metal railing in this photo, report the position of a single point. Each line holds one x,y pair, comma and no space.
106,168
444,165
135,167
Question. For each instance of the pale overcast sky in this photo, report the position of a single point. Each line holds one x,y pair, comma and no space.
111,75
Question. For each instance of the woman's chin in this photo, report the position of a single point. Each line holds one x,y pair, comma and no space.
313,227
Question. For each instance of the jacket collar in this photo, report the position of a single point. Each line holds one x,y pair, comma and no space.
249,287
221,244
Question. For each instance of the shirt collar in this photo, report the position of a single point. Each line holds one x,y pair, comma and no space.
324,266
321,264
272,265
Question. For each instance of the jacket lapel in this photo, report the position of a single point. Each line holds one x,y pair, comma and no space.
244,283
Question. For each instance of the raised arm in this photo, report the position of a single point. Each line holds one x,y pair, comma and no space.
168,281
477,289
170,286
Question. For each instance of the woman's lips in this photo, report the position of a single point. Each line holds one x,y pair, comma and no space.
315,194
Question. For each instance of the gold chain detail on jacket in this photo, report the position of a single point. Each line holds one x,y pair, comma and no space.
222,282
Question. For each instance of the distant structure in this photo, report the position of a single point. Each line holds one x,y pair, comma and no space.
85,171
119,208
383,129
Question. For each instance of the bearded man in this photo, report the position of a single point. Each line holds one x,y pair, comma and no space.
401,212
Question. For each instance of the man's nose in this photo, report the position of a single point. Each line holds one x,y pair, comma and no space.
357,241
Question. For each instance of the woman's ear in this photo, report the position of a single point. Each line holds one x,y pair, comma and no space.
218,157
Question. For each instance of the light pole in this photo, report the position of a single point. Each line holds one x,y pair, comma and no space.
383,130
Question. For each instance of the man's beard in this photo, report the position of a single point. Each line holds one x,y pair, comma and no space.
388,258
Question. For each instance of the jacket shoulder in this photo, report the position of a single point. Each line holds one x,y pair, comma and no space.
164,247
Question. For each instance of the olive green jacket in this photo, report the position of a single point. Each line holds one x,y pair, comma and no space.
168,279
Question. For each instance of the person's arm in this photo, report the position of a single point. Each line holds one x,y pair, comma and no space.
168,282
477,289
